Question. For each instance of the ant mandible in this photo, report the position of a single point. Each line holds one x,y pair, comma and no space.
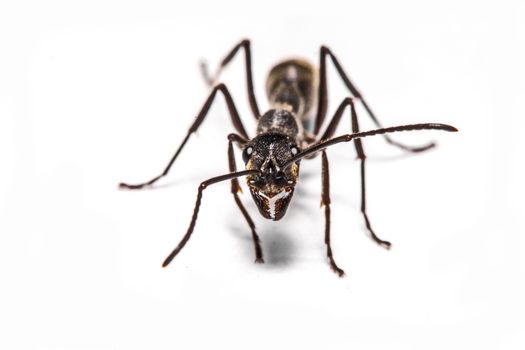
284,137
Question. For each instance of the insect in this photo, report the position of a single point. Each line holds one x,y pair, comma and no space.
298,94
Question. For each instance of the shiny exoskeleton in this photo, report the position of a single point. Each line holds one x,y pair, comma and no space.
280,133
288,132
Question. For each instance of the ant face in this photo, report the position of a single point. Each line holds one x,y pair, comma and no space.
273,189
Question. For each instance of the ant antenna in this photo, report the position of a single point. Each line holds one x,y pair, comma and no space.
349,137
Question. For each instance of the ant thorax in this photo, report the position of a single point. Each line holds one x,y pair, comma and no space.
279,121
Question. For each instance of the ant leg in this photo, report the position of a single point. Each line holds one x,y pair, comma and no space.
236,188
323,100
202,187
210,80
360,154
236,120
325,201
334,122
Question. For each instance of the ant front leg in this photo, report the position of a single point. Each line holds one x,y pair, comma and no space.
249,79
330,130
236,120
236,188
323,100
325,201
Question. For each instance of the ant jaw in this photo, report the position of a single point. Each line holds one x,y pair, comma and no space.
272,201
272,191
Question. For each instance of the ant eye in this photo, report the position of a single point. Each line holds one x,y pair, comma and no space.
247,153
294,150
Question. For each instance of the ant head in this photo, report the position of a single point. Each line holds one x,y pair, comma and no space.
273,188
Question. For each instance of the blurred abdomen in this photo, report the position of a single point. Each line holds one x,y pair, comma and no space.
292,85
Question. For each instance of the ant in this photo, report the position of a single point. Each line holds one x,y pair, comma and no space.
284,137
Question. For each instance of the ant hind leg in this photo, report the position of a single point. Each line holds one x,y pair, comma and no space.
212,79
323,100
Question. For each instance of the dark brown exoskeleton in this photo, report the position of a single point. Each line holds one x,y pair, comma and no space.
297,94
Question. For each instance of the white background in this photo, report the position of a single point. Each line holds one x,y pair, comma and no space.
100,92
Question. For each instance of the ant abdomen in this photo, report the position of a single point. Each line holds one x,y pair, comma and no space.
292,85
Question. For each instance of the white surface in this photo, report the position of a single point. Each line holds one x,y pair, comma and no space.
96,93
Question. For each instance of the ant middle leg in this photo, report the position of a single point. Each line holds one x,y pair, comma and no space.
362,157
330,130
236,188
323,100
236,120
210,80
